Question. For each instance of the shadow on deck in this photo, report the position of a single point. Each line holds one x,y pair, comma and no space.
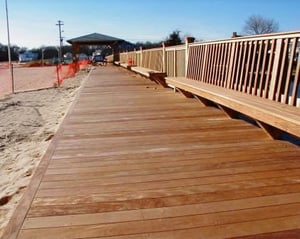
133,160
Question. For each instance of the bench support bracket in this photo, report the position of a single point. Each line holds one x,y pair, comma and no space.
272,132
185,93
203,101
158,78
229,112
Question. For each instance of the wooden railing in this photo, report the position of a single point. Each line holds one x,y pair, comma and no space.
267,66
175,60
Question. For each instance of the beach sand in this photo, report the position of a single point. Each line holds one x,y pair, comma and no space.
28,122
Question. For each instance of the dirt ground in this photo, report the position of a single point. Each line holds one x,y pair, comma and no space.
27,123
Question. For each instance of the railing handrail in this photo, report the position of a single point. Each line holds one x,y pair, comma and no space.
152,49
271,36
175,48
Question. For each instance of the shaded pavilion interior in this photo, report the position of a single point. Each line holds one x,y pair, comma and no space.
95,39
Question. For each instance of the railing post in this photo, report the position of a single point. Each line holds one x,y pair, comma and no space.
135,57
188,40
141,58
164,63
175,63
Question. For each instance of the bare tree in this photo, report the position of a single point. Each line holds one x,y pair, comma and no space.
257,24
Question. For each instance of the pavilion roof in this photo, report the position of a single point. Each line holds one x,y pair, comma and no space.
95,38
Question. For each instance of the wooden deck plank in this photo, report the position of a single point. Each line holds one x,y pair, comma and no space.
182,210
132,160
86,204
165,190
151,181
169,224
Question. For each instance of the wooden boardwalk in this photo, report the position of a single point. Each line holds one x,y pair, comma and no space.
133,160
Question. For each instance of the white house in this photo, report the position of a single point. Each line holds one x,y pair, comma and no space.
28,56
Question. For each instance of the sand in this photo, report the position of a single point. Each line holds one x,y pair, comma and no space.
27,124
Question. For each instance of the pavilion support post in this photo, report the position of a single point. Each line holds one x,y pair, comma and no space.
75,52
116,52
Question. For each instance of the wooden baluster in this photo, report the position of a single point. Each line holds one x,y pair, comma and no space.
247,73
275,68
260,45
243,63
289,74
254,63
283,69
296,84
271,54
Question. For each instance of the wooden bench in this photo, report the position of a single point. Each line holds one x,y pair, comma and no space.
153,75
269,115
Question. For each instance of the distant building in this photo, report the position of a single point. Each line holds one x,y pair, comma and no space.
28,56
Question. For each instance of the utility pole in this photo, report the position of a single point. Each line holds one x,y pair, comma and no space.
8,50
59,24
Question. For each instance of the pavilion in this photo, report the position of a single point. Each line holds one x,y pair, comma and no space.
96,39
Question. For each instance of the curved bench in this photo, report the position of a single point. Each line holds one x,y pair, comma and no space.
269,115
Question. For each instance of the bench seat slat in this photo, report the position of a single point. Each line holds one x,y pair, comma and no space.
143,71
124,65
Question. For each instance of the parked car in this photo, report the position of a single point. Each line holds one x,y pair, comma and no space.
99,60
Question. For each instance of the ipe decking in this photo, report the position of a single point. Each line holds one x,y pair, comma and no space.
136,160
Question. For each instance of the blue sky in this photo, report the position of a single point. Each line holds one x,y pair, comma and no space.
32,22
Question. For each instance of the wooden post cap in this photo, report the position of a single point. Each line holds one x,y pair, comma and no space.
189,39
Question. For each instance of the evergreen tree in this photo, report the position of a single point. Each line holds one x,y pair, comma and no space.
174,38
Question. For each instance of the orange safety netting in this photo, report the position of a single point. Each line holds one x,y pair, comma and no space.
66,71
24,77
